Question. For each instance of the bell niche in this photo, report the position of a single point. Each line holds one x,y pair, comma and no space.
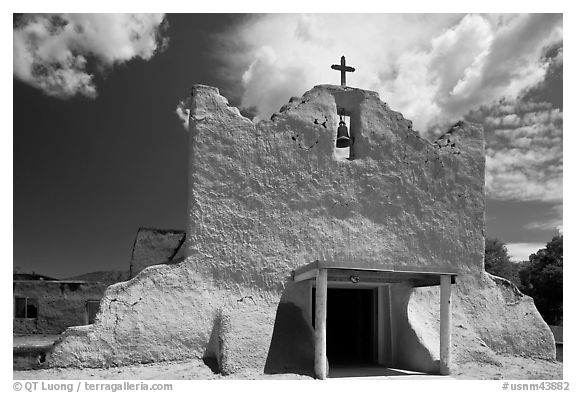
344,136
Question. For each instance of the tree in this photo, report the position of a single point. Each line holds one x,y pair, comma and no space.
541,278
497,261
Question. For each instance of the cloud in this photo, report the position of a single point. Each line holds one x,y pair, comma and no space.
56,53
183,112
521,251
433,68
523,150
554,223
265,94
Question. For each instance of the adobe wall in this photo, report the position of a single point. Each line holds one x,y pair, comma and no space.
60,304
154,246
269,197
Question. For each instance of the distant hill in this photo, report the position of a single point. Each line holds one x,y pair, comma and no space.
20,273
109,276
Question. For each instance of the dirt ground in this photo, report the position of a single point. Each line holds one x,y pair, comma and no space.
512,368
190,369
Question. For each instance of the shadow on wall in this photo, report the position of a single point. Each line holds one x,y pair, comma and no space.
410,351
252,334
280,340
212,354
292,345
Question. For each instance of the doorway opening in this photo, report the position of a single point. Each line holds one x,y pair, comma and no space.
92,307
351,335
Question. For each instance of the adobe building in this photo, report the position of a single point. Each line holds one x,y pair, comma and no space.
45,305
297,261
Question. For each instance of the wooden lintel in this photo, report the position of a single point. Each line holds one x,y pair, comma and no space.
307,275
339,273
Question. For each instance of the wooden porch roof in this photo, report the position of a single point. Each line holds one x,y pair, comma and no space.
373,274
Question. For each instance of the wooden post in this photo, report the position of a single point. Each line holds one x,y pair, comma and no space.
320,331
392,329
310,314
445,323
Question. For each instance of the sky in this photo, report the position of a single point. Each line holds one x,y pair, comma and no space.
99,112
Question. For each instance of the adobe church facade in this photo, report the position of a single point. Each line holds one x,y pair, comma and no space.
294,258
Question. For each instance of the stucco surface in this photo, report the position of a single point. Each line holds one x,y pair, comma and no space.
269,197
154,246
489,316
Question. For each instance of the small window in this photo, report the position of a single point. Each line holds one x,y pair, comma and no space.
92,307
25,307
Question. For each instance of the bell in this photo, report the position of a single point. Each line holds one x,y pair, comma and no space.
342,138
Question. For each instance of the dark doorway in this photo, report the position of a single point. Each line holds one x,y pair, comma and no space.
350,327
92,307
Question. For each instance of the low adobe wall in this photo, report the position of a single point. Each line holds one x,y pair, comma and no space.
154,246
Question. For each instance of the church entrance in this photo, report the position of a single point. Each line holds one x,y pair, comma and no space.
359,315
351,327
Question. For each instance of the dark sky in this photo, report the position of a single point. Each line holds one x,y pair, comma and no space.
89,172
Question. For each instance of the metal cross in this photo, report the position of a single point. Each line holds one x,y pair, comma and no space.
343,68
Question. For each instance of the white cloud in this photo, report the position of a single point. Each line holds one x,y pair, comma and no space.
511,120
521,251
554,223
55,52
523,150
433,68
183,112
